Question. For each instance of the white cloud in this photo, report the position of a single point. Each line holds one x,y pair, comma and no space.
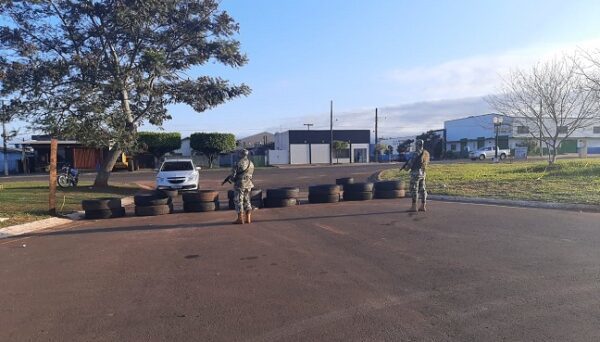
475,75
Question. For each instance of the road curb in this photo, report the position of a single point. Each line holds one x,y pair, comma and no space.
509,203
517,203
20,229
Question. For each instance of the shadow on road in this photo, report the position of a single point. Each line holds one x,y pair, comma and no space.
225,224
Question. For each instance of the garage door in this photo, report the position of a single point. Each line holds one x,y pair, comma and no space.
319,153
299,154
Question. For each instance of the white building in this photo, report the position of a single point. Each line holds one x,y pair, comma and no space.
474,132
394,142
312,147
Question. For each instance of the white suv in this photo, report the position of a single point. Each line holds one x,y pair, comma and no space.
178,174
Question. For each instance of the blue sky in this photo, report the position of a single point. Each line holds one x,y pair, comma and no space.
389,54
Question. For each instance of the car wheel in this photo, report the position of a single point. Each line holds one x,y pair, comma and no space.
482,157
503,156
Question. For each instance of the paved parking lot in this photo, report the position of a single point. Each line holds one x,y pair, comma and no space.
353,271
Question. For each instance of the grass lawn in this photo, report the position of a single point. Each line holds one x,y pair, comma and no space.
569,181
24,202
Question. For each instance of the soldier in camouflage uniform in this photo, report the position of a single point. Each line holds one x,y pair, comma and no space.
418,167
241,174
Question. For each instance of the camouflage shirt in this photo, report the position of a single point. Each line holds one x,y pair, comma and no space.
242,174
418,163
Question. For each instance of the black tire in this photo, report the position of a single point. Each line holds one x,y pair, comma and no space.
279,202
482,157
358,187
101,204
344,181
254,194
153,210
231,204
168,192
326,189
104,213
256,204
63,181
283,193
389,185
323,198
503,156
358,196
151,199
200,196
195,207
386,194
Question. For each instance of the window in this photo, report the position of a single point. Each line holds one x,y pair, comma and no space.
597,130
453,147
563,129
177,166
522,129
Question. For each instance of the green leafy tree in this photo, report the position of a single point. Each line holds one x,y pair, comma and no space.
211,144
339,145
404,146
433,143
158,143
379,149
99,69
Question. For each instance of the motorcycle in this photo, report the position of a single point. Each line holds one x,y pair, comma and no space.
68,177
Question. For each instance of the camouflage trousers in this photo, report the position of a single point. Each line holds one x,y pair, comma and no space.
241,199
417,187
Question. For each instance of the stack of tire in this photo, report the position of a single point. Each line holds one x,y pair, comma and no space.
281,197
256,198
171,193
153,204
326,193
102,208
389,189
343,181
358,192
201,201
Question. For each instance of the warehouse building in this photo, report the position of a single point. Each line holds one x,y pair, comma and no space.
474,132
313,147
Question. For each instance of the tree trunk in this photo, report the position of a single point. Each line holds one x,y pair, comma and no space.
210,161
4,138
106,168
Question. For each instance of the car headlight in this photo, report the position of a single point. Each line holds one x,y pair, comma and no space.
192,177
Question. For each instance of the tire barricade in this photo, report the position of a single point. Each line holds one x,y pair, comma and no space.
256,198
358,192
153,204
281,197
201,201
103,208
389,189
327,193
343,181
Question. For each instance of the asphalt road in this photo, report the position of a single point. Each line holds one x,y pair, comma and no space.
352,271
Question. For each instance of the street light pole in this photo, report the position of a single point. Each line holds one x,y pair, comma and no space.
497,123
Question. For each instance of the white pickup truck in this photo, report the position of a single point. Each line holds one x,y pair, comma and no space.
488,152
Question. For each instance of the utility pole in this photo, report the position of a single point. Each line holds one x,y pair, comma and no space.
308,126
331,133
376,154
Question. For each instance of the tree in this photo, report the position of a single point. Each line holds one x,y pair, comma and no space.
552,99
211,144
6,117
339,145
158,143
388,151
100,69
432,142
379,148
404,146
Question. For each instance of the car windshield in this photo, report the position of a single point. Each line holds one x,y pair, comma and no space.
177,166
